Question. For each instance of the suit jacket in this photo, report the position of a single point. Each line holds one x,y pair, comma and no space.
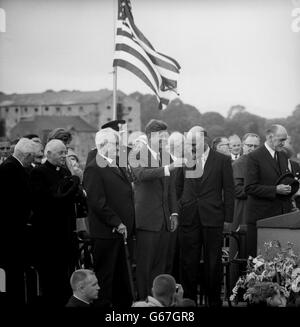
261,176
54,194
211,196
110,199
15,195
155,194
76,303
240,208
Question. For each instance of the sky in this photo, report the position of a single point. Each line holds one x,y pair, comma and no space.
231,51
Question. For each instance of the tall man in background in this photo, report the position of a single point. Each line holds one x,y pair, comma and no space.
206,203
266,199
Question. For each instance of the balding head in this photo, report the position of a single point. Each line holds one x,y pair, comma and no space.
25,150
55,152
276,136
235,144
84,284
164,288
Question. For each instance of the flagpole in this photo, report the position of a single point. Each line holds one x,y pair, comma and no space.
115,74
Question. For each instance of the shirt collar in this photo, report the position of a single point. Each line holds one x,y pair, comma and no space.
205,153
153,300
106,158
78,298
154,154
272,152
18,160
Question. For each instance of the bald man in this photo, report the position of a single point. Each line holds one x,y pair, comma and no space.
55,191
266,199
16,208
235,146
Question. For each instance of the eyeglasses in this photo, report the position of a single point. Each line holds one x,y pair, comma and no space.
224,144
252,145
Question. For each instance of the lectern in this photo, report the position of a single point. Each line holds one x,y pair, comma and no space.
284,228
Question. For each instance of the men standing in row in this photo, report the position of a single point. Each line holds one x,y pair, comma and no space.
55,190
250,142
155,207
206,203
16,206
266,199
111,219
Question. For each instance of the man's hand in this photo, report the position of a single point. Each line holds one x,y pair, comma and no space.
283,189
227,227
178,296
174,222
122,230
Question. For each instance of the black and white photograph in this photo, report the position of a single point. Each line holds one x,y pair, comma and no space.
150,156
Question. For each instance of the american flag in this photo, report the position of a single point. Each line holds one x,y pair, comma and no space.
135,53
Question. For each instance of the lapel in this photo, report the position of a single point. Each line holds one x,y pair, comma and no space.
102,162
208,166
270,159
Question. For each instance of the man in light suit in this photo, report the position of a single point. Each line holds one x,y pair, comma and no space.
266,199
155,205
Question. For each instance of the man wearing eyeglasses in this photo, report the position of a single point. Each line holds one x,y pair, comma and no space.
250,142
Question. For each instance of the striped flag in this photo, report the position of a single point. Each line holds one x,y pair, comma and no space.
135,53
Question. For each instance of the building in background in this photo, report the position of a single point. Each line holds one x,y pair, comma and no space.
94,107
83,134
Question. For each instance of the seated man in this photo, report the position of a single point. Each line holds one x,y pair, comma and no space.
85,288
166,293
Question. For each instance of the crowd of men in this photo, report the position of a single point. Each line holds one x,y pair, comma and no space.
167,199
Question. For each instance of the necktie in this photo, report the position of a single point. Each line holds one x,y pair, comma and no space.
276,158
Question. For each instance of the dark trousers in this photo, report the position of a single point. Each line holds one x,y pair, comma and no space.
172,265
55,266
112,273
192,239
151,258
251,239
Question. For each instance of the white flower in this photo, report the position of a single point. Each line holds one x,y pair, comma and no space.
295,272
296,285
258,262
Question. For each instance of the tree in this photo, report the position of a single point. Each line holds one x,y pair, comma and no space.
233,110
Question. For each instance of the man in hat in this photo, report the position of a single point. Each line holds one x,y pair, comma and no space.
268,194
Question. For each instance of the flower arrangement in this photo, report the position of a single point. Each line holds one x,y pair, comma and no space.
272,279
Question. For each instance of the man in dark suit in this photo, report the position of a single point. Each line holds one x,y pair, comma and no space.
16,206
55,192
111,219
206,202
266,199
155,205
250,142
85,288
